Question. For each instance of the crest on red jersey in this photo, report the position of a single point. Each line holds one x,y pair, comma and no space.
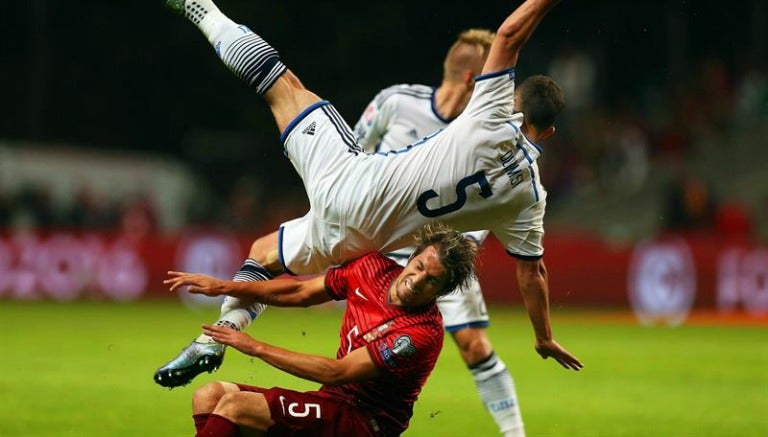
403,346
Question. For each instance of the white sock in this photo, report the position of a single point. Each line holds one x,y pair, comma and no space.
234,313
497,392
249,57
208,18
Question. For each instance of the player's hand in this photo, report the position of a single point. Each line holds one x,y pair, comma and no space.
196,283
550,348
231,337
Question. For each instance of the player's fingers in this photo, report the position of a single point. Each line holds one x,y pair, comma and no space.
570,362
174,284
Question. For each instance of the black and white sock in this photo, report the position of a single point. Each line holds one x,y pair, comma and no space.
233,312
497,391
242,51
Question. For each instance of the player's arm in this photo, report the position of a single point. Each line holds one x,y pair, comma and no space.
283,292
355,366
532,278
513,34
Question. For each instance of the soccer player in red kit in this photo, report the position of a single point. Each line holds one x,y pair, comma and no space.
391,337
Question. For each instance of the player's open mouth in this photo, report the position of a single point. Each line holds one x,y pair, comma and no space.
406,291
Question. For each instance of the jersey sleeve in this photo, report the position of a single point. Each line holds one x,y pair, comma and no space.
523,237
478,237
337,282
406,349
374,122
493,97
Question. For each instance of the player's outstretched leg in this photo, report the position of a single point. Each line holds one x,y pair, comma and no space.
258,64
204,354
245,53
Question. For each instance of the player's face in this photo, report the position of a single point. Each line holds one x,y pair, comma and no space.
420,281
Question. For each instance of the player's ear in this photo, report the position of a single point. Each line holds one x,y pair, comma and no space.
469,78
548,132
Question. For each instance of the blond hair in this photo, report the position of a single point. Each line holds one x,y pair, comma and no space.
467,53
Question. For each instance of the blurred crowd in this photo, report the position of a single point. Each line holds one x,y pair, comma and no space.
32,207
614,142
607,141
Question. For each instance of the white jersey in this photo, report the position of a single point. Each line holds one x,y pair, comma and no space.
398,116
479,172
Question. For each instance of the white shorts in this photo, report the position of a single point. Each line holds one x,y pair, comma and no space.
464,308
317,142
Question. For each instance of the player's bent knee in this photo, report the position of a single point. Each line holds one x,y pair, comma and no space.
207,397
246,409
265,252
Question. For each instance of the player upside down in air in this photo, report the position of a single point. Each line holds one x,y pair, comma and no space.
479,172
400,115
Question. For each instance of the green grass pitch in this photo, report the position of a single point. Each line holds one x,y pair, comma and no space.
85,369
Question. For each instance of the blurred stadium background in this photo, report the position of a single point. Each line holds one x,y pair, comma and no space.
127,149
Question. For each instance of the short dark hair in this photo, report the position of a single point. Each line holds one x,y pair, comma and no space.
540,99
457,253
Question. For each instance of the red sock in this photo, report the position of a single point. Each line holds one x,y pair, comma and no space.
218,426
200,420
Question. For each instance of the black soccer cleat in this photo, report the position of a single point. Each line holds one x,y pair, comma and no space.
175,5
192,361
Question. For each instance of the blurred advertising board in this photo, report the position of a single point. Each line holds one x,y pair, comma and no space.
659,279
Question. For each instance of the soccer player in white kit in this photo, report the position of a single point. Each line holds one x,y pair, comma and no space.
478,173
400,115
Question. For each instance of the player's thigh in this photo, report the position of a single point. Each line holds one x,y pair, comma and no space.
310,413
248,409
287,98
265,251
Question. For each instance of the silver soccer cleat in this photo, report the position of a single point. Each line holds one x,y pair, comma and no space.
192,361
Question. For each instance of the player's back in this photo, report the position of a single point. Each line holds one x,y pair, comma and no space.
399,115
478,173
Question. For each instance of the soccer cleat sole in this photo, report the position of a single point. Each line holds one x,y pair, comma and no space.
180,377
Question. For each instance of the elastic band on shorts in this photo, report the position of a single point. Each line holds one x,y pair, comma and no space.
300,117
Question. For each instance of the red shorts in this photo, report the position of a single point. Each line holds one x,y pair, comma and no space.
313,413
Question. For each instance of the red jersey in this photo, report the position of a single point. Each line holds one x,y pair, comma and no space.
404,343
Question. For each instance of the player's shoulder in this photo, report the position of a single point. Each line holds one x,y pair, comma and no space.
373,262
492,83
404,91
427,327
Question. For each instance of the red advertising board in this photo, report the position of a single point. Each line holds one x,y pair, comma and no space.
662,277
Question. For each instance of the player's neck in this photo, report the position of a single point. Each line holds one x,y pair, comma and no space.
529,132
451,99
